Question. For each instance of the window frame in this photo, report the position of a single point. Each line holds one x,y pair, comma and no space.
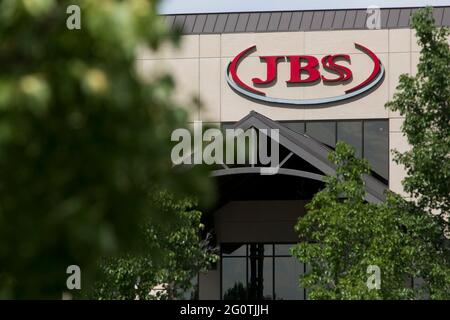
273,256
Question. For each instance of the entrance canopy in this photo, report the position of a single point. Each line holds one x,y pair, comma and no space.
304,148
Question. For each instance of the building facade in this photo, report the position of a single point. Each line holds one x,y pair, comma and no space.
318,77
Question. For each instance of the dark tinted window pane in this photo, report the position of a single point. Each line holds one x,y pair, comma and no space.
283,249
268,278
227,125
287,272
376,146
257,268
325,132
257,249
234,249
298,127
234,280
268,249
351,132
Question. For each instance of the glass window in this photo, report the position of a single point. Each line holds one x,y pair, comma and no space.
234,280
268,249
260,273
376,146
351,132
323,131
287,272
227,125
268,278
283,249
234,250
296,126
266,271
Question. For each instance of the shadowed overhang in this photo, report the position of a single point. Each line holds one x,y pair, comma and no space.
305,147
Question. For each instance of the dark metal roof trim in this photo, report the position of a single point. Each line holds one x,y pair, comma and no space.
311,151
280,21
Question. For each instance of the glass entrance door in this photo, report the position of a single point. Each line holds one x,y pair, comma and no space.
260,271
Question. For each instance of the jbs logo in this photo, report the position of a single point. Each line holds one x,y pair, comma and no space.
306,69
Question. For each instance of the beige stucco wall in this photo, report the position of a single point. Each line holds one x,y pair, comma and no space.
199,70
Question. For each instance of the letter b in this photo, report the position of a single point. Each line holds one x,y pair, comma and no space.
310,68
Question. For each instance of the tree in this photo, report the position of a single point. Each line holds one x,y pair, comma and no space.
342,235
170,258
424,101
82,139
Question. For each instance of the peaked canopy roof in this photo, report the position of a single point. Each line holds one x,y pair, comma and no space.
308,149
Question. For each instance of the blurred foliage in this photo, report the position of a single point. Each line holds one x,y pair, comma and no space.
424,101
342,235
172,256
82,139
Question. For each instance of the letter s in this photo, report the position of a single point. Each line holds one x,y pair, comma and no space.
330,65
